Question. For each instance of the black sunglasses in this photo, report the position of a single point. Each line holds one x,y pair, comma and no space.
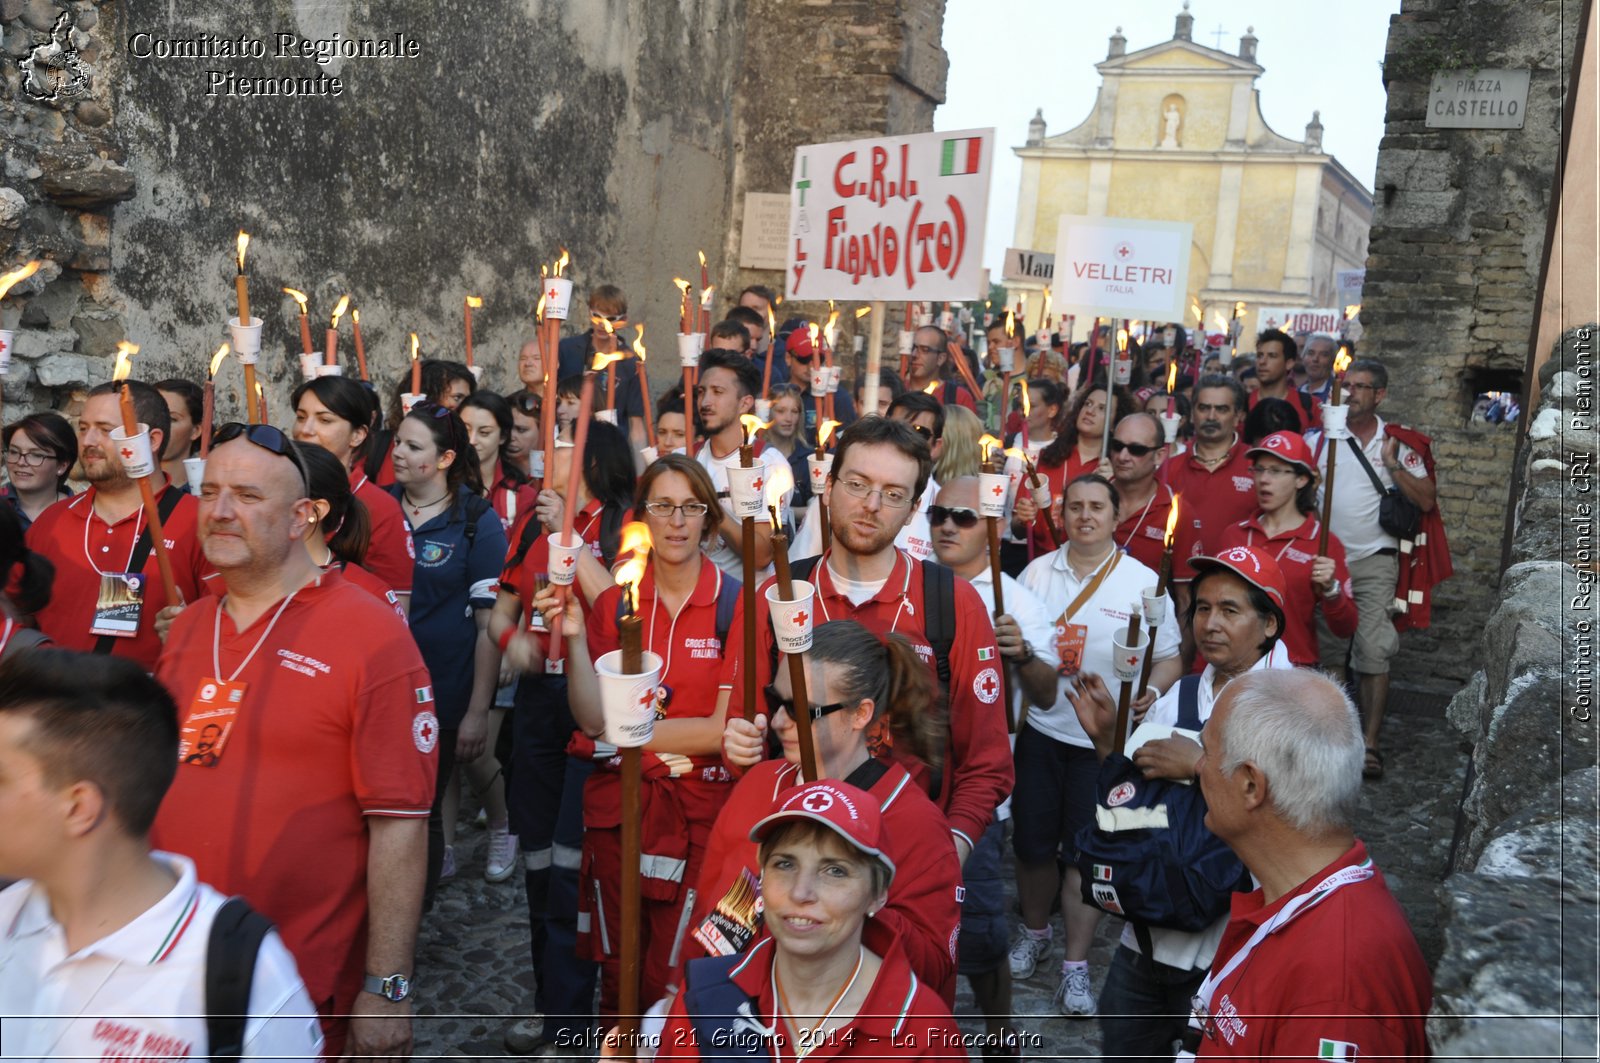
1138,450
776,701
267,438
963,518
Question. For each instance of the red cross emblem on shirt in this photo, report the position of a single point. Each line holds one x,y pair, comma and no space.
127,453
991,686
817,802
800,618
426,731
1124,251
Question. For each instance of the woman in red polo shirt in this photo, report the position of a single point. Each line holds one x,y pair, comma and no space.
1287,526
679,599
489,425
1076,448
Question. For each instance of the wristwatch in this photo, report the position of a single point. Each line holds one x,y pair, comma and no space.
1027,654
394,988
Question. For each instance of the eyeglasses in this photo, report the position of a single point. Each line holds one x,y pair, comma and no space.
267,438
527,402
893,497
923,348
612,319
1361,387
30,459
1276,473
963,518
924,431
1138,450
661,508
777,702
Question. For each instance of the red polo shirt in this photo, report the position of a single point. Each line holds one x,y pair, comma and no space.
1143,531
1306,407
1343,979
536,563
390,556
511,498
977,772
1295,550
337,723
1208,500
81,546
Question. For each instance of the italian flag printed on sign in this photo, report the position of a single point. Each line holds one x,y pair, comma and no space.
960,156
1329,1049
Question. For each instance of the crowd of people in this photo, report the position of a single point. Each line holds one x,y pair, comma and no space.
348,643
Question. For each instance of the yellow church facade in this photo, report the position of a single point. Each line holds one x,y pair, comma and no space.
1176,134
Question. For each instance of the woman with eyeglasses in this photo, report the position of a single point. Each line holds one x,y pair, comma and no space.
1287,525
688,606
41,450
864,692
336,413
459,544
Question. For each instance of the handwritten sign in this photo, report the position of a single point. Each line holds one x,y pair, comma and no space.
1023,265
1123,267
1478,99
1295,321
892,218
764,237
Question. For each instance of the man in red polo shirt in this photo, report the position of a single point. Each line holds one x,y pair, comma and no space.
1212,481
930,363
880,470
1319,963
314,803
1138,446
96,538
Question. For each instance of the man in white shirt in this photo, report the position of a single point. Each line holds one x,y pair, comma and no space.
726,390
103,943
1237,614
1372,555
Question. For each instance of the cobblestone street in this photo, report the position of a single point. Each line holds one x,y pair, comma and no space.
472,960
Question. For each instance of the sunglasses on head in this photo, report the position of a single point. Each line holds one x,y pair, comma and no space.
267,438
1138,450
963,518
776,701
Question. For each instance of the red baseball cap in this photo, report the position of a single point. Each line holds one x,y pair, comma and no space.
850,813
799,343
1256,567
1286,446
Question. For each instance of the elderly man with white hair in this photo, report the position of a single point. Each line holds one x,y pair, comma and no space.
1319,962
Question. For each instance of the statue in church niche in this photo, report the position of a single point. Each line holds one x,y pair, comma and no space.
1171,122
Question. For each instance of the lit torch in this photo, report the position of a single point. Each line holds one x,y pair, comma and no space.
1340,365
305,323
208,404
631,636
644,386
471,302
127,451
331,353
241,283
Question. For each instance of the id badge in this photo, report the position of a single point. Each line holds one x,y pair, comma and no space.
205,730
1070,640
120,604
733,923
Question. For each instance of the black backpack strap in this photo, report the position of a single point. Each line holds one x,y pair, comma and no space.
476,507
727,602
939,614
236,936
530,532
141,554
1189,703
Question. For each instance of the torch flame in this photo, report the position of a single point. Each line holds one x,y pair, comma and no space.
752,424
772,323
1172,523
705,296
638,342
1017,454
811,333
1238,308
299,297
1352,311
216,359
1122,340
538,311
125,352
826,431
1027,400
1199,318
355,317
1172,378
702,255
1011,325
474,301
1046,317
831,329
603,360
863,312
17,276
683,285
635,540
413,346
1341,363
339,309
933,385
596,319
779,482
244,242
562,262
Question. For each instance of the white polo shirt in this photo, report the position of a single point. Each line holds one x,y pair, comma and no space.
1105,616
1355,503
722,555
139,992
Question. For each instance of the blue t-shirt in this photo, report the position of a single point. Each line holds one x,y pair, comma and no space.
453,577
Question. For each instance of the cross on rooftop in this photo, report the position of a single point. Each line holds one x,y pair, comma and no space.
1219,33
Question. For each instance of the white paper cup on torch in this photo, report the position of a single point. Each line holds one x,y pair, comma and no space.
194,470
477,372
1122,371
309,364
1336,422
628,702
745,488
324,369
246,339
134,451
608,416
1154,607
649,454
992,494
1169,426
1041,494
689,349
1126,660
792,621
557,298
819,468
7,338
1007,357
564,559
905,341
763,409
819,382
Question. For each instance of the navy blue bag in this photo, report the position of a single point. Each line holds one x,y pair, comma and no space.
1148,856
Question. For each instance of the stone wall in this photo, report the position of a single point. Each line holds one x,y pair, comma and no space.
625,130
1519,909
1458,233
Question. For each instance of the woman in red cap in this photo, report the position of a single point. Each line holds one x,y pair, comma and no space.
1287,527
828,977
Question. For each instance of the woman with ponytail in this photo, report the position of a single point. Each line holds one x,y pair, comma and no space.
28,577
339,537
865,692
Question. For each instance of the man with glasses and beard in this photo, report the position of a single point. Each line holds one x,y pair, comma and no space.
100,537
930,365
315,806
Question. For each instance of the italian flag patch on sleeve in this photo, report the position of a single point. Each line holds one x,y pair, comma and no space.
986,653
1330,1049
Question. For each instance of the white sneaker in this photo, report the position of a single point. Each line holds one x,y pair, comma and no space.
502,857
1075,996
1026,952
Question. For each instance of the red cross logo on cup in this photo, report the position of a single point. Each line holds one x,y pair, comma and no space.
569,560
1131,660
647,696
551,294
997,490
756,486
127,453
800,618
817,801
3,346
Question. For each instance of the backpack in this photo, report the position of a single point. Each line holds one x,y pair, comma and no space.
728,590
236,936
1148,856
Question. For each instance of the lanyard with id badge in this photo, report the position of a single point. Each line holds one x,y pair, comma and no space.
1072,638
216,702
120,601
